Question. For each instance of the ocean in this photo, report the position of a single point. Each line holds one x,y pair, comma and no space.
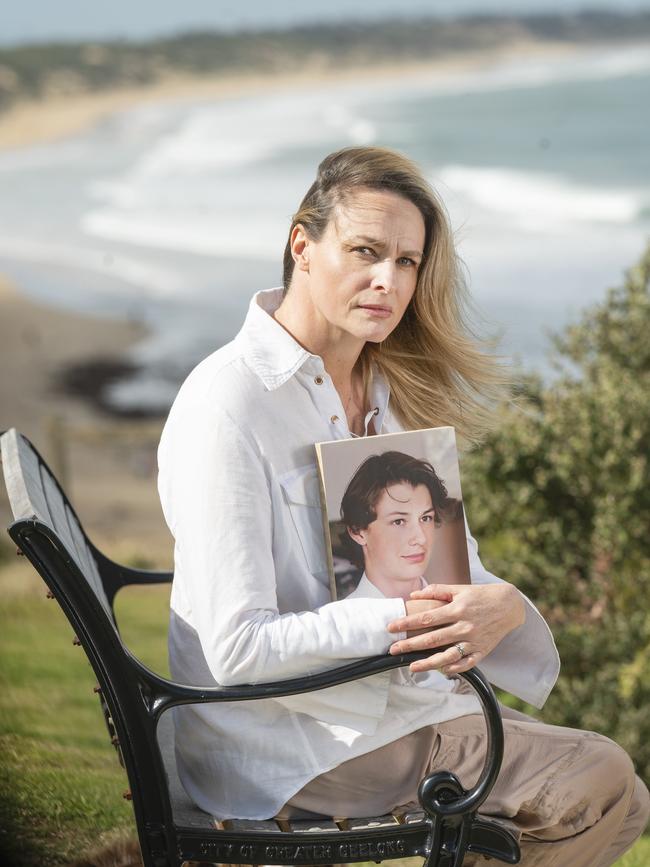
174,213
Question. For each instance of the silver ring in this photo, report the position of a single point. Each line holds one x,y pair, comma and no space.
461,649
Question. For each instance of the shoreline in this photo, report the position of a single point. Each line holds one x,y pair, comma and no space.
41,122
106,463
57,362
46,349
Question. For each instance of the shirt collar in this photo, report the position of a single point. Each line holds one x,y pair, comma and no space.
270,351
275,356
366,588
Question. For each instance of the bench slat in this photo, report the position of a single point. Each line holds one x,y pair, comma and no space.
86,561
67,526
31,478
16,458
415,816
320,826
33,491
387,821
246,825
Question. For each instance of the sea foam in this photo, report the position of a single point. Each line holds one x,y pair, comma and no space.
222,182
135,271
536,202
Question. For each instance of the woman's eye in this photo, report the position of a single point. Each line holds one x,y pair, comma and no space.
365,251
406,260
398,522
427,518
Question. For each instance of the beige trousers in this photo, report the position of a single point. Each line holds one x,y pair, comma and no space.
572,795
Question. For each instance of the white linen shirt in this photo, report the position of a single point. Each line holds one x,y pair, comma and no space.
250,599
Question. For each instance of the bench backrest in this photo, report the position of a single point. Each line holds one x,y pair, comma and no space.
34,493
48,532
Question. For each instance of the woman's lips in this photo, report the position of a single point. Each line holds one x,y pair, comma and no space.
377,310
414,558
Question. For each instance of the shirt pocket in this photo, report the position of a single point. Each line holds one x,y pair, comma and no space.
301,492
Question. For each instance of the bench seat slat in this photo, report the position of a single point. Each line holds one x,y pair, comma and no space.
415,816
316,826
246,825
386,821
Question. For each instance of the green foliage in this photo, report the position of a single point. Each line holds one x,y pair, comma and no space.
34,71
560,498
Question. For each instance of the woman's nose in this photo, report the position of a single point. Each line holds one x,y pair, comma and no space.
385,276
417,536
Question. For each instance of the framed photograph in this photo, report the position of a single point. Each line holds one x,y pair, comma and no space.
393,512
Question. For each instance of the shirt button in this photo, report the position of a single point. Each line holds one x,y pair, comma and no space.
334,419
318,380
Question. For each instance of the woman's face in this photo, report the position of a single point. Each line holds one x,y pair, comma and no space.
397,545
362,273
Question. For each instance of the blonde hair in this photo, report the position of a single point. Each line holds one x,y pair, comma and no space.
437,371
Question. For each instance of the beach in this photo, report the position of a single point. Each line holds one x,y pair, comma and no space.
107,464
40,121
63,327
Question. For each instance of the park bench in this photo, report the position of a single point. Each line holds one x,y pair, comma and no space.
135,702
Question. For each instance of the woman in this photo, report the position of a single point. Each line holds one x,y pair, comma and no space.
366,336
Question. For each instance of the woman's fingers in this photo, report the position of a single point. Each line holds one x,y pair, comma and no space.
430,639
468,661
443,592
421,614
477,619
449,661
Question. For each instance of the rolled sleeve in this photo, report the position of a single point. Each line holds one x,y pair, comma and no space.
526,662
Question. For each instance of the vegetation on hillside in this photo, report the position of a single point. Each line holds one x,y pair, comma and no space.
36,71
560,498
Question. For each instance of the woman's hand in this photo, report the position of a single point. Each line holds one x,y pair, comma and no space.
477,617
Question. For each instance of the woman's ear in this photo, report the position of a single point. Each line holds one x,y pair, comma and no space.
358,535
299,243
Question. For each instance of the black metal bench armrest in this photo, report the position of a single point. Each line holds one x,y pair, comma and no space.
451,808
165,693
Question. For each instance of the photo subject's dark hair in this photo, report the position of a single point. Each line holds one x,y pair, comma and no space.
372,478
376,473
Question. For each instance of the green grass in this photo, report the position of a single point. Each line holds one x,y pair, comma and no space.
60,783
638,856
